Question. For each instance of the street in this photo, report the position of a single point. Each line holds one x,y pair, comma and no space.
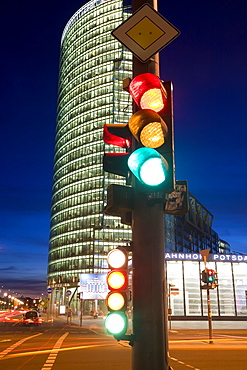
57,345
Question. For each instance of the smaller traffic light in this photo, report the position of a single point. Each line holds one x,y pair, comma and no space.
116,322
209,277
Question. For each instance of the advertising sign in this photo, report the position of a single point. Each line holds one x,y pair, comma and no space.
93,286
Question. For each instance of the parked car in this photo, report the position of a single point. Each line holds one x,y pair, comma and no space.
31,317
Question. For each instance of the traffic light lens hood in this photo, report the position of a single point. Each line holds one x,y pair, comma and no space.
147,91
148,166
116,280
117,258
116,323
148,128
115,301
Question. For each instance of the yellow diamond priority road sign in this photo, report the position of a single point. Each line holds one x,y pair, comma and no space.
145,33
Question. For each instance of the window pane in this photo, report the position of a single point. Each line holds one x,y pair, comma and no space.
174,277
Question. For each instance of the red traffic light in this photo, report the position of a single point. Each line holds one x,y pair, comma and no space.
117,134
117,280
148,92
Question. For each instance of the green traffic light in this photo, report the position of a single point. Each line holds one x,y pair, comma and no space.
148,166
116,323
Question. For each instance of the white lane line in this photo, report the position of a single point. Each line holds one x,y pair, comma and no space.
53,355
183,363
13,346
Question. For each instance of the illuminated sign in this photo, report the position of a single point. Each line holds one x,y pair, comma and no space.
211,258
93,286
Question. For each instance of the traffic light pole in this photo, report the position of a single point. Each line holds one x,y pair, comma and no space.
209,318
150,349
150,325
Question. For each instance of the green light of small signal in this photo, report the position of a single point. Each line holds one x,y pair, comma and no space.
116,323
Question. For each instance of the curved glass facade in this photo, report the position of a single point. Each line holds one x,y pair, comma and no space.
92,67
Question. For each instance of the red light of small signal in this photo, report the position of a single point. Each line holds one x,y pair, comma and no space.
115,140
117,280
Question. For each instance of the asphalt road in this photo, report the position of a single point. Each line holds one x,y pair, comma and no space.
58,346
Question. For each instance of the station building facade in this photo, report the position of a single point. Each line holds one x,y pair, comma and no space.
228,299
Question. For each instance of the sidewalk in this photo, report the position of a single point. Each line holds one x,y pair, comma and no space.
89,322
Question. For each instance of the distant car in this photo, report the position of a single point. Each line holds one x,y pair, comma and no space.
31,317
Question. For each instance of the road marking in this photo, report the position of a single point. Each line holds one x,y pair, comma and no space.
183,363
60,350
54,352
9,349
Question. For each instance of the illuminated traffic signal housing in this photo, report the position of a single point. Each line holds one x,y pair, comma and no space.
152,162
211,276
204,276
116,322
210,279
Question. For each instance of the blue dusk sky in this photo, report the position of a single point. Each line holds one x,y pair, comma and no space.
207,64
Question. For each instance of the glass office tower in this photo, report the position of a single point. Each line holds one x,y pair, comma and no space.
92,67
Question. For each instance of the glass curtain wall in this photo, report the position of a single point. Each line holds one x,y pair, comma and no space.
228,299
92,67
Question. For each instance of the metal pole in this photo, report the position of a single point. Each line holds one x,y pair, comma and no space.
209,318
81,308
170,315
150,329
150,318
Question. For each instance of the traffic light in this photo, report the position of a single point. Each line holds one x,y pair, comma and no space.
209,277
120,136
152,162
116,322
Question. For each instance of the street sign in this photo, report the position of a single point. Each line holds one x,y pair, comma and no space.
174,291
68,292
49,290
204,253
145,33
177,201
